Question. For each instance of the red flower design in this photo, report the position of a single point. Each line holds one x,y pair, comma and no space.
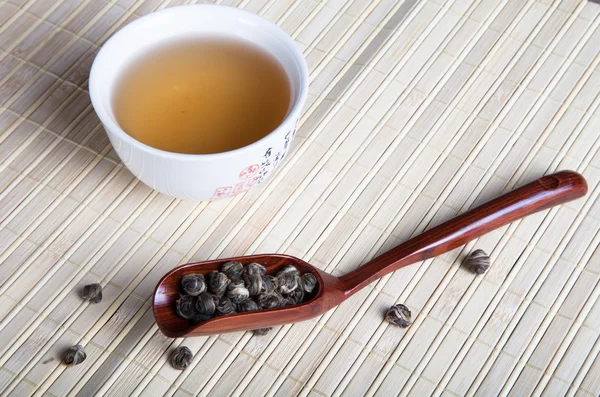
222,192
245,185
249,171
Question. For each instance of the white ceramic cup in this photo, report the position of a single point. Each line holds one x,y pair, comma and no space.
198,176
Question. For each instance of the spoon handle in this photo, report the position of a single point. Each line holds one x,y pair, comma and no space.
536,196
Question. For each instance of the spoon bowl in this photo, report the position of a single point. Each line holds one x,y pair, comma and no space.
543,193
324,297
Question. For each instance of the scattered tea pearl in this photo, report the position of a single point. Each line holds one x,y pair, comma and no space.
477,261
262,331
399,315
181,357
92,293
74,355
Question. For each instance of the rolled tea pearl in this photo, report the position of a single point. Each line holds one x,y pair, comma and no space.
269,283
193,284
262,331
287,282
255,268
235,282
181,357
247,306
398,315
308,282
254,283
477,261
232,269
269,300
185,307
205,304
216,299
217,283
288,269
225,306
296,296
74,355
92,293
237,293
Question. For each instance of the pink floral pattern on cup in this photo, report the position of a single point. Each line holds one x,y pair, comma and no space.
249,171
222,192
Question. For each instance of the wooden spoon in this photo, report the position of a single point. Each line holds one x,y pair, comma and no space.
539,195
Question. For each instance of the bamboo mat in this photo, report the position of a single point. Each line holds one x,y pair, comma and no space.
418,111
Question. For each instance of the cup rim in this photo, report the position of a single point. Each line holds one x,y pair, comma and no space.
112,125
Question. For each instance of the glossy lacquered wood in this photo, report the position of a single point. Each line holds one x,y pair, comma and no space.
539,195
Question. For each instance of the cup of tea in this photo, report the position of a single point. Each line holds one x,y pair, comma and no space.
200,102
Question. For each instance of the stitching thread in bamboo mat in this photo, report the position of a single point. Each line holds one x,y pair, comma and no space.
37,132
584,370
